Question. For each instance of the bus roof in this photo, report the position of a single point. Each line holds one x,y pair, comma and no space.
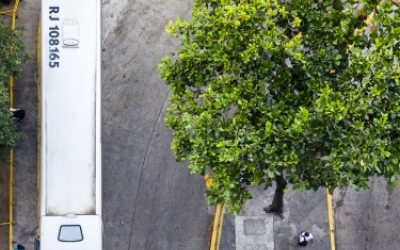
70,119
88,236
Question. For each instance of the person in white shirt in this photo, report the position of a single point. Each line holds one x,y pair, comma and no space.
18,114
304,237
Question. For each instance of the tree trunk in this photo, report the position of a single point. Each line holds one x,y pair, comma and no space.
276,206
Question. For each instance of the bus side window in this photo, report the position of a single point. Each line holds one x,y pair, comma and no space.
70,233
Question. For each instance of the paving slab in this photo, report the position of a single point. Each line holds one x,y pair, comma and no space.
254,232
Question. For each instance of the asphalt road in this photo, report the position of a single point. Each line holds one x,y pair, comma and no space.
149,200
367,220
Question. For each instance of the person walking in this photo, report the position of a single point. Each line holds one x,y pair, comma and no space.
304,237
18,114
19,247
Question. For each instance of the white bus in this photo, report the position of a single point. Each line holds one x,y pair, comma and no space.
70,157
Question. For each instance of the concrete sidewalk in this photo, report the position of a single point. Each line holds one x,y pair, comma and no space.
253,229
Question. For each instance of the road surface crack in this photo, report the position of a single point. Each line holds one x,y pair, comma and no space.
144,161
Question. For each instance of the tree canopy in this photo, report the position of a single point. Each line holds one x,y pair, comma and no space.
12,54
302,88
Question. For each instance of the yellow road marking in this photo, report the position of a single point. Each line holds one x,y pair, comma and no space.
221,221
217,227
213,234
331,220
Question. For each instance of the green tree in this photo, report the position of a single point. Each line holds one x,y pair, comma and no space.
12,54
299,91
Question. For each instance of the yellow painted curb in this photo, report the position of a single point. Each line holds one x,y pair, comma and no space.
11,154
330,220
217,227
